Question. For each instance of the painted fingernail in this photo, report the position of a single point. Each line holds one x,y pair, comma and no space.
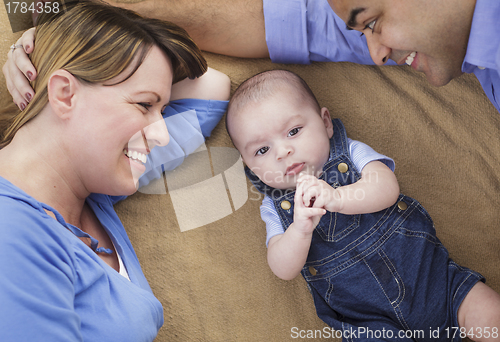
28,97
29,74
22,106
26,48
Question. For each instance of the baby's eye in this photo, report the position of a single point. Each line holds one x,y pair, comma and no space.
294,131
262,150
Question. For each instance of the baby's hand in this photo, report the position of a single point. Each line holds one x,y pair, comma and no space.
318,193
305,218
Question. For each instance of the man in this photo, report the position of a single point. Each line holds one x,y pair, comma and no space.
442,38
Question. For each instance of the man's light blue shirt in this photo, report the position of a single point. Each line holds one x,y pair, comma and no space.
305,31
483,51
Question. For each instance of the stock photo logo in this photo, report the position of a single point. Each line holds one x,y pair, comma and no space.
21,14
205,185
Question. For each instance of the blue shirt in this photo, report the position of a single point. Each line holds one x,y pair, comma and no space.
305,31
483,50
53,287
189,122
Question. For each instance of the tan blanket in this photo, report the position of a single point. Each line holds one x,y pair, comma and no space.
214,281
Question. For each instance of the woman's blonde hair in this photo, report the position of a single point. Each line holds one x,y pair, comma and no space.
96,42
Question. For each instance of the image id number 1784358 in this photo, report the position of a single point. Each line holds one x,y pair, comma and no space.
35,7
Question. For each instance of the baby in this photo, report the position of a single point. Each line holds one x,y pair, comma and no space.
333,213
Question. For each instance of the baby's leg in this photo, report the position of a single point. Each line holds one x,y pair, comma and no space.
479,314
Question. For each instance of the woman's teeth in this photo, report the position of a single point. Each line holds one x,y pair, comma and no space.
136,156
410,58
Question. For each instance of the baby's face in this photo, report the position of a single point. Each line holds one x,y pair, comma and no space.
282,137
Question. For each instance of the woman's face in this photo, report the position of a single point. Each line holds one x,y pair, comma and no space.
117,126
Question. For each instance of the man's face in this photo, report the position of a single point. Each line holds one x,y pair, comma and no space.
430,35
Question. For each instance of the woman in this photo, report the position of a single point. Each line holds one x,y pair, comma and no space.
69,272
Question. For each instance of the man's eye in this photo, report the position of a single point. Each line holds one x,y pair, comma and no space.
371,25
262,150
294,131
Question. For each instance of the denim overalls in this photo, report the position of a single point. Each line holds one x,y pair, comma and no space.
380,276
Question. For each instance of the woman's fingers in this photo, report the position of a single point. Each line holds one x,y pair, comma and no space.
16,96
20,56
17,83
28,40
18,69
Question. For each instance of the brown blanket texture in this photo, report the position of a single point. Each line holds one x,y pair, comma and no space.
214,281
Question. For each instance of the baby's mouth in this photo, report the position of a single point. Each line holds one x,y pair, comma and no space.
294,169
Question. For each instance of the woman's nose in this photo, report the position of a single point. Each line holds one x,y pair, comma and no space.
379,52
156,133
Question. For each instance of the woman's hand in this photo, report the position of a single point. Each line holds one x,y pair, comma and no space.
18,70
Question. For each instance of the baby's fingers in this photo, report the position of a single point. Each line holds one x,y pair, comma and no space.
306,213
311,193
312,212
298,198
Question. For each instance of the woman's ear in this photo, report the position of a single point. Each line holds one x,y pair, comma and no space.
61,90
327,119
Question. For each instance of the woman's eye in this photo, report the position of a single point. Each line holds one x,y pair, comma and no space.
294,131
262,151
145,105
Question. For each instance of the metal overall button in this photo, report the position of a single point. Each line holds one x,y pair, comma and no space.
402,205
286,205
343,168
312,270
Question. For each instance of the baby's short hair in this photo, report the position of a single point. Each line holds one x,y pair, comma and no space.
266,84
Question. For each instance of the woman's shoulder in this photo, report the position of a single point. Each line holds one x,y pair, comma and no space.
23,221
17,207
33,241
25,227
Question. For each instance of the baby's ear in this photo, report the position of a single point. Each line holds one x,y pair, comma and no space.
327,119
61,89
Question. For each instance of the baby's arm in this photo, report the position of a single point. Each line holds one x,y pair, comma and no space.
287,252
377,189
